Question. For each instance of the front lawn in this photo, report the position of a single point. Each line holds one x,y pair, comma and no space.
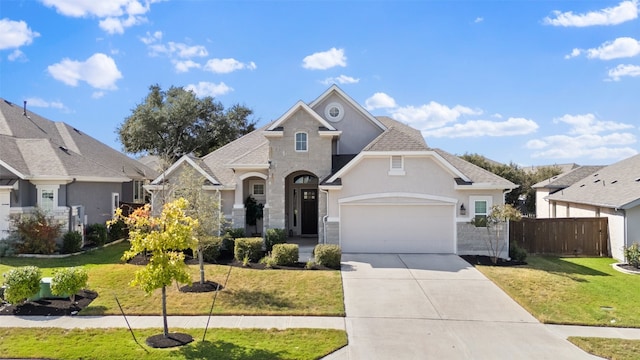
222,344
614,349
247,292
581,291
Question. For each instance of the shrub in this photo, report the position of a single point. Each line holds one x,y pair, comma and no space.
269,261
22,283
71,242
37,233
8,245
117,230
69,281
248,249
516,252
234,233
632,254
328,255
210,246
285,254
275,236
97,233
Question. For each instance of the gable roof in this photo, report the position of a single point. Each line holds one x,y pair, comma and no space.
300,106
614,186
334,89
33,147
567,179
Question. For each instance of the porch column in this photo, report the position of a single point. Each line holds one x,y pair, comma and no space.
238,213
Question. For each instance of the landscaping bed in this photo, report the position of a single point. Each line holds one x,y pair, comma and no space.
51,307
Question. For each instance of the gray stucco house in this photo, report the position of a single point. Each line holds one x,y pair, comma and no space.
73,177
330,170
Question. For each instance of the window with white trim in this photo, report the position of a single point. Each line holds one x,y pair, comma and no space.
396,166
481,208
138,191
301,141
47,197
115,202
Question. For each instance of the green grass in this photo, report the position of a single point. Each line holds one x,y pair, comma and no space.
581,291
221,344
615,349
247,292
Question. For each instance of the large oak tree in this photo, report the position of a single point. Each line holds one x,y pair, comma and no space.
176,122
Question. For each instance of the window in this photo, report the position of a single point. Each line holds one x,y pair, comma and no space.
47,197
301,141
138,191
397,165
334,112
481,208
115,202
257,189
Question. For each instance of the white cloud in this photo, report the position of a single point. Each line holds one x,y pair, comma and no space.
204,88
180,50
475,128
625,11
99,71
325,60
587,137
478,20
225,66
432,115
612,146
115,15
185,66
38,102
624,70
17,55
342,79
619,48
588,124
14,34
379,100
151,38
574,53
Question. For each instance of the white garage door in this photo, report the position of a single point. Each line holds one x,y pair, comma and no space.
383,228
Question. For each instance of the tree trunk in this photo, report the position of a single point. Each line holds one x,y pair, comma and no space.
164,311
201,261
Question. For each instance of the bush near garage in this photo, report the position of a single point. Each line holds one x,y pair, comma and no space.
328,255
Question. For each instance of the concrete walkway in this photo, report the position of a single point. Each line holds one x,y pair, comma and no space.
399,307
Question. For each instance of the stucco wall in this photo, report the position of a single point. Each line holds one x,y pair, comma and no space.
543,207
96,198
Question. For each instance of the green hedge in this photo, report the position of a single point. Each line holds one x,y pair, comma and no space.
275,236
22,283
97,233
285,254
248,247
328,255
211,248
71,242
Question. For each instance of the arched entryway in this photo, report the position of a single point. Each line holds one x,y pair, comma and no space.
302,204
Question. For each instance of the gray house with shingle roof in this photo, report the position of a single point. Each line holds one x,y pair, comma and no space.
70,175
330,170
612,191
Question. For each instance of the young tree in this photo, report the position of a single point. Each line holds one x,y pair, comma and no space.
203,206
164,237
175,122
69,281
498,217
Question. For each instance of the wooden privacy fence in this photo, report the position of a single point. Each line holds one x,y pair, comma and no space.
562,236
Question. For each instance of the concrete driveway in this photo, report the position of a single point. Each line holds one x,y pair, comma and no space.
425,306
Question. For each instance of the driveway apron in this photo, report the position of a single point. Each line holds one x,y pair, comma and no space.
429,306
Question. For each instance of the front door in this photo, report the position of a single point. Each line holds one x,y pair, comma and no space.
309,211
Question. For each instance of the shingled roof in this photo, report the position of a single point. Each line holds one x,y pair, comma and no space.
613,186
568,178
36,147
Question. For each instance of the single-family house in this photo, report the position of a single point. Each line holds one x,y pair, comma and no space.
612,191
61,170
330,170
544,208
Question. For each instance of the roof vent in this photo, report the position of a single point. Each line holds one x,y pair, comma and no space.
582,185
597,181
64,149
24,111
614,181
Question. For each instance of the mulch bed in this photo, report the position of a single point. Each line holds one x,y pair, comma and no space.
51,307
487,261
629,268
171,340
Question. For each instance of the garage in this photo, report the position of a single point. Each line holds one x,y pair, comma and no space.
397,228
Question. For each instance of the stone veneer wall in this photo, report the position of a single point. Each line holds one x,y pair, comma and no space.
333,232
472,240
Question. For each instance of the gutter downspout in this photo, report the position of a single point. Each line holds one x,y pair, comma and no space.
324,218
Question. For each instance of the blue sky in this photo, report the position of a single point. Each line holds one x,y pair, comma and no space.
529,82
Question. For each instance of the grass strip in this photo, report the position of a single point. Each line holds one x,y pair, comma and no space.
615,349
221,344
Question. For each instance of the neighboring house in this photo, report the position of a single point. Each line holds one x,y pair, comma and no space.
59,169
555,184
613,192
332,171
